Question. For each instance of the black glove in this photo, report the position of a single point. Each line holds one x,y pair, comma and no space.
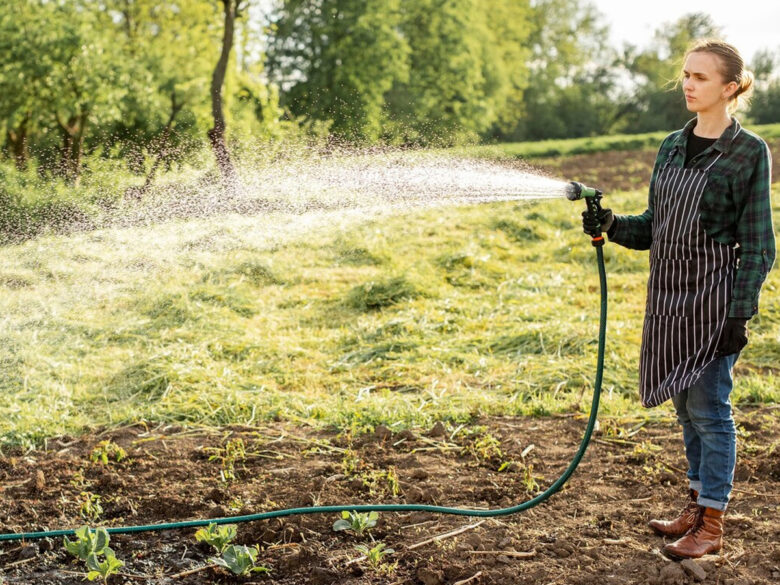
733,338
592,222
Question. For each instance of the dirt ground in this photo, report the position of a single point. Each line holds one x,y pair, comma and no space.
594,531
619,170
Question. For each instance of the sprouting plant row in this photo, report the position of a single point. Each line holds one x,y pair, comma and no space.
91,546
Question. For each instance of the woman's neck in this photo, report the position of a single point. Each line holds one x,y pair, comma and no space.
711,124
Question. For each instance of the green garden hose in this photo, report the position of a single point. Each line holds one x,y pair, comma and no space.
395,507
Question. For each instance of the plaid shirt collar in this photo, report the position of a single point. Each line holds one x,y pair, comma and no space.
722,144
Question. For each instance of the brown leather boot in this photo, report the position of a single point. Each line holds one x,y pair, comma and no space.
682,523
705,537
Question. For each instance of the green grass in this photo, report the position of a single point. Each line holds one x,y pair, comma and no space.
571,146
401,319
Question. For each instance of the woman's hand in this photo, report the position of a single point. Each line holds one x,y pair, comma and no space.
734,337
601,221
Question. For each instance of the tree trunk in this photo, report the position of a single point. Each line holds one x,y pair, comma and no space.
217,133
72,147
17,140
162,151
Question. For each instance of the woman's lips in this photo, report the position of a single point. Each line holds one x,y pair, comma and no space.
689,98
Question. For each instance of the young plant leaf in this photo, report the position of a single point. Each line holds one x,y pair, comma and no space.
239,560
219,537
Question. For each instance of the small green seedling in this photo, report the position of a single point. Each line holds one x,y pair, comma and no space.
485,448
240,560
105,568
90,506
356,521
233,452
529,479
351,463
378,481
89,546
87,542
219,537
107,451
375,555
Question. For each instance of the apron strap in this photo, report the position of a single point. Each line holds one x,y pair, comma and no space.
713,162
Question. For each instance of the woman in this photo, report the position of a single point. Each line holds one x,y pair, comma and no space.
709,230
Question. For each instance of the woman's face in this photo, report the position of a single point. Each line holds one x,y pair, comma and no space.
703,86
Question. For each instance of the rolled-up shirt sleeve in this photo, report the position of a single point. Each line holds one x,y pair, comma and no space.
756,238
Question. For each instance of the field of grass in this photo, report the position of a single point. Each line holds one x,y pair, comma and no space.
402,318
570,146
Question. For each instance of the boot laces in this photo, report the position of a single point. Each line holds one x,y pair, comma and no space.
690,510
698,522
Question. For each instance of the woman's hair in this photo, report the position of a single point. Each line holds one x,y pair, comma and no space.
731,66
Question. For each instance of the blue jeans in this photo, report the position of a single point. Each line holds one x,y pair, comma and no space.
710,437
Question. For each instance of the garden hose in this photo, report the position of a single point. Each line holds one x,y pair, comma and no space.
597,243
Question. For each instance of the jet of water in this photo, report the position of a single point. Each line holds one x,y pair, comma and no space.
302,181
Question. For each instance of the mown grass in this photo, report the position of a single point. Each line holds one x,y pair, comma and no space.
401,318
571,146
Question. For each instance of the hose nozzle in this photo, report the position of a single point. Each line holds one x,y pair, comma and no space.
575,191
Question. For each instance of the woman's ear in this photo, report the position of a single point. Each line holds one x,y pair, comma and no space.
730,90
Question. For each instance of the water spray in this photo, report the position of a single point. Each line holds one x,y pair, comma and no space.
573,192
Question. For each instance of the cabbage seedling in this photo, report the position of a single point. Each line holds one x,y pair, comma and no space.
356,521
105,568
375,554
87,542
240,560
219,537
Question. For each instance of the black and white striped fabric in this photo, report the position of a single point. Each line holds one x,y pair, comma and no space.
688,291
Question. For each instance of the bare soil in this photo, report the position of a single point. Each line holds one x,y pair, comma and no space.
593,531
619,170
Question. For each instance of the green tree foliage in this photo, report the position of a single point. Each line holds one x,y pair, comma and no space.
657,102
427,71
572,89
61,72
126,79
335,60
467,69
170,46
765,104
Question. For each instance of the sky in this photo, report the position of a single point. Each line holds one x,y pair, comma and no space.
749,25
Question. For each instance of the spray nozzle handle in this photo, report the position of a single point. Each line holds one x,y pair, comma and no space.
593,205
576,190
592,198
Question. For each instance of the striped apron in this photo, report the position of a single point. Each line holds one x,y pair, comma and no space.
688,291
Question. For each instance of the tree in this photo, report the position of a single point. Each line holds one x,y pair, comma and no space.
467,69
232,11
427,71
572,87
765,104
656,103
170,45
336,59
62,64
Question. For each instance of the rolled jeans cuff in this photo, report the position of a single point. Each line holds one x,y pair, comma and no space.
712,504
695,485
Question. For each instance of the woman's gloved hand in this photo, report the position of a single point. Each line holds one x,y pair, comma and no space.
733,338
597,222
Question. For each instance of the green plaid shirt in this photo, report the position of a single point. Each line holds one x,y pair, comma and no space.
735,207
